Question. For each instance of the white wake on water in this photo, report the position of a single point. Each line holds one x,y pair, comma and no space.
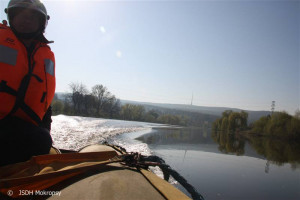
73,132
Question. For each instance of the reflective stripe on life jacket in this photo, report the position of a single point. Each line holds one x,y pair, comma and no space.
27,82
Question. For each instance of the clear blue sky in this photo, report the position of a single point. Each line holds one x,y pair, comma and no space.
242,54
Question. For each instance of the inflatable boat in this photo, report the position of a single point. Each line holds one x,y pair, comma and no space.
94,172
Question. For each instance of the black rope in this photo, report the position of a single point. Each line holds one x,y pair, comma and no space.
167,171
138,160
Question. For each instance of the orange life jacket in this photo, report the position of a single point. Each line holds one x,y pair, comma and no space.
27,82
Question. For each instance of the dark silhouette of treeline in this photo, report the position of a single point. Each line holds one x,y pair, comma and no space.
102,103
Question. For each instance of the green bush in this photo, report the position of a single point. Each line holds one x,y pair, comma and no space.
278,124
231,121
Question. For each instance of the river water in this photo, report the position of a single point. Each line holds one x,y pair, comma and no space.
223,166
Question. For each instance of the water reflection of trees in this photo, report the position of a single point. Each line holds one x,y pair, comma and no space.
277,151
229,142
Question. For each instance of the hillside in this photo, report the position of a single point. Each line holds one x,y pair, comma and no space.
214,112
206,113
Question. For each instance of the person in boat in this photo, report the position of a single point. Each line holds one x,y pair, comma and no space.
27,82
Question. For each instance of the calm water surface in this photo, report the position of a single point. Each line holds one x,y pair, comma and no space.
224,166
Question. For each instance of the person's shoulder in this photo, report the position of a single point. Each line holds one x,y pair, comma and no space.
47,48
44,40
43,44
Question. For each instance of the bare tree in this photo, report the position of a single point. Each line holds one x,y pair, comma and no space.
89,104
112,107
78,90
102,95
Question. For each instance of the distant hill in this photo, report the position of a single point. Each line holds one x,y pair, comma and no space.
213,111
61,95
207,113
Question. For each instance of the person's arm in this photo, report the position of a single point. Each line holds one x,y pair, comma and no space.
46,122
